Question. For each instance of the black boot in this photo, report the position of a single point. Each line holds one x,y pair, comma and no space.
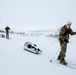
59,57
62,60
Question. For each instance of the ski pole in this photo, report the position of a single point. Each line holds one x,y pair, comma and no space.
57,52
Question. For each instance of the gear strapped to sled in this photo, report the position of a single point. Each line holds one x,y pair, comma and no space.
32,47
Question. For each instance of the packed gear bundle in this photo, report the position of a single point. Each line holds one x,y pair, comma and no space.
32,47
2,35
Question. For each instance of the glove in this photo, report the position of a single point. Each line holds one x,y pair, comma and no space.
66,41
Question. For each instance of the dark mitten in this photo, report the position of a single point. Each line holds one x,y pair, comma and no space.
66,40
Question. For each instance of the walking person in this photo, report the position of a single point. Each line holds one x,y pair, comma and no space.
63,40
7,32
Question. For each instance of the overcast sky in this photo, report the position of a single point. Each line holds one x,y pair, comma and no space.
35,13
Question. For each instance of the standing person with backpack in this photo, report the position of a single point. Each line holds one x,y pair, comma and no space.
63,40
7,32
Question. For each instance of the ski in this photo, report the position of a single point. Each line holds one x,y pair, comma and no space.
72,66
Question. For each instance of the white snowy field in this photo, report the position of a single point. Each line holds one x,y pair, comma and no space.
14,60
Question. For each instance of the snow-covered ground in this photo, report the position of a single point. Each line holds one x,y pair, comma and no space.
14,60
